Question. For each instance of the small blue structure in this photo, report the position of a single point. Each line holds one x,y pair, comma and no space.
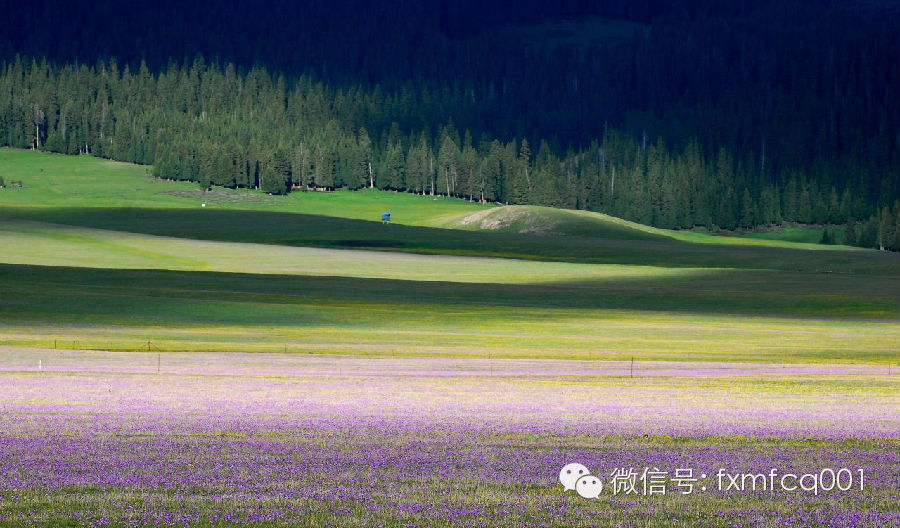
385,218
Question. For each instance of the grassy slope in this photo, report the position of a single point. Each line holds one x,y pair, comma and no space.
53,180
801,234
54,244
58,181
655,297
678,319
326,231
547,220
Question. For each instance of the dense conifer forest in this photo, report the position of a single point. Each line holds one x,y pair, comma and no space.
722,115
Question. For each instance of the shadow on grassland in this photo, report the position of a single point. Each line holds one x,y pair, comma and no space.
59,295
322,231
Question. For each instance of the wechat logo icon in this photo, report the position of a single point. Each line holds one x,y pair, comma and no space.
575,476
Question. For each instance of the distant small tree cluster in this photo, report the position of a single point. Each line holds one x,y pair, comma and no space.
828,237
880,231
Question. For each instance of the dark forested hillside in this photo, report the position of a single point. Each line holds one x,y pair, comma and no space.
730,114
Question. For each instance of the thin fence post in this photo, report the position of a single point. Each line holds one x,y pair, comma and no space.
632,367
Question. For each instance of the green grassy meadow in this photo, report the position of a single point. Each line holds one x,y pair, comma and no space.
801,234
98,254
292,361
59,181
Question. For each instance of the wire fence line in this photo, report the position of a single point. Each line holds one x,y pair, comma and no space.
294,360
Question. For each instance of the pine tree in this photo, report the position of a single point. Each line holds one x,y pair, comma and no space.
448,159
366,158
394,168
896,242
747,219
468,167
868,235
804,210
850,238
522,193
885,229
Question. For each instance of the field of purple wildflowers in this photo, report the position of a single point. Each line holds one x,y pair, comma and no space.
104,439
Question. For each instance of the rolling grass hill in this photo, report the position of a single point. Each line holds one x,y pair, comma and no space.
291,229
531,219
48,244
57,181
96,254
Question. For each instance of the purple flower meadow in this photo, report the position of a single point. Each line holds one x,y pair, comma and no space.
102,439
